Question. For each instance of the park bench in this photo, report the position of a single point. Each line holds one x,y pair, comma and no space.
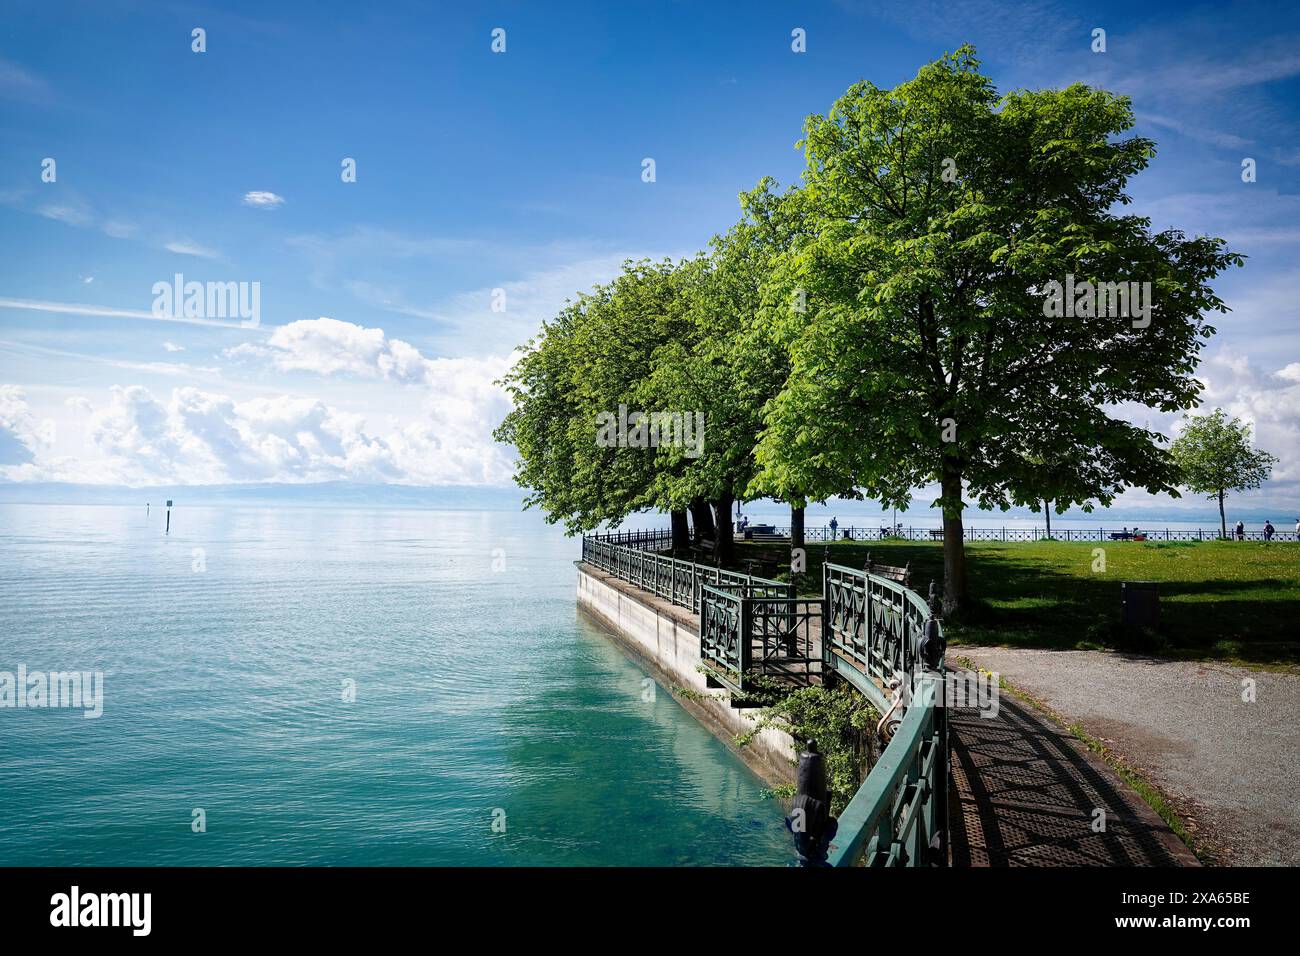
704,547
936,534
902,575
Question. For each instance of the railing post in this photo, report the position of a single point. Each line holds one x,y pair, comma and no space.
746,649
936,691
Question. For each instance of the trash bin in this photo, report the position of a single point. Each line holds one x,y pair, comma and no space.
1140,602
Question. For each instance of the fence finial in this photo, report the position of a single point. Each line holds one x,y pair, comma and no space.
932,645
810,817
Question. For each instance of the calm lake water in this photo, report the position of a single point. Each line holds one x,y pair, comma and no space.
477,692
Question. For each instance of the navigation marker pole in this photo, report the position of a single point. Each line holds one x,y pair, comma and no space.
169,516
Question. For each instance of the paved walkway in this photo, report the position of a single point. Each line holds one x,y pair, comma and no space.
1230,767
1027,793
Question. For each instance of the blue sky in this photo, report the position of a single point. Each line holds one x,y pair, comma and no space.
517,171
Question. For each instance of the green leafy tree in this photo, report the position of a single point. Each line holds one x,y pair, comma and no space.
936,216
728,366
1215,455
586,363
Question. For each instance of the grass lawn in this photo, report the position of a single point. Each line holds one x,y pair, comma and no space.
1219,600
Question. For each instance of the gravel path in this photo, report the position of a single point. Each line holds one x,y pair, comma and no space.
1232,767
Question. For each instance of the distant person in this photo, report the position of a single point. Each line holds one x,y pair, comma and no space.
835,525
1241,531
1297,529
1269,530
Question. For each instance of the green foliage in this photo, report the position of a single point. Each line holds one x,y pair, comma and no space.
1215,455
840,721
934,216
593,357
883,324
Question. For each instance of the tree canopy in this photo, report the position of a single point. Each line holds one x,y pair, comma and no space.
1215,455
954,295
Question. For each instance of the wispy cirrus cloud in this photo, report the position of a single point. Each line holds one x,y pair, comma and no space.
107,312
73,215
21,84
188,247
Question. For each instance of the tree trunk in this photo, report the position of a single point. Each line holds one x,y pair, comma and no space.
1047,513
681,531
725,549
1223,521
955,596
702,518
796,526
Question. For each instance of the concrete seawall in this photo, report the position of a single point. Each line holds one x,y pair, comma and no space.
665,640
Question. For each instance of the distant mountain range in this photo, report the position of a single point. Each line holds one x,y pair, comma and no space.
318,494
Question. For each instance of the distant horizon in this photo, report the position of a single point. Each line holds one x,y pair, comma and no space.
1188,510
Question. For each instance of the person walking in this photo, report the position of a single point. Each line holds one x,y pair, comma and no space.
1268,530
1241,531
1297,529
834,527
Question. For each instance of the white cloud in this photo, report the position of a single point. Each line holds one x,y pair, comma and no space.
108,312
186,247
328,346
173,347
1268,400
1215,137
263,200
20,436
72,215
443,434
119,230
199,437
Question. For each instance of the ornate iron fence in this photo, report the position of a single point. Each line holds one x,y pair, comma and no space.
873,626
899,816
676,580
866,629
749,633
856,533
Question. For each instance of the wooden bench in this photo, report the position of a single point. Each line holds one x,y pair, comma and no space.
902,575
705,547
935,534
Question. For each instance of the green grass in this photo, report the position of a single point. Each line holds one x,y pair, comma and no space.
1219,600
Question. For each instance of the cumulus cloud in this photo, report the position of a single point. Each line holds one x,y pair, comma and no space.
1269,400
173,347
198,437
19,434
263,200
328,347
442,434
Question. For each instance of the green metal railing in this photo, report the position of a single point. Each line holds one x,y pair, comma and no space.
865,629
632,557
899,816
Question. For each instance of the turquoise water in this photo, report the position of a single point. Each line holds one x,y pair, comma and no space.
480,695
